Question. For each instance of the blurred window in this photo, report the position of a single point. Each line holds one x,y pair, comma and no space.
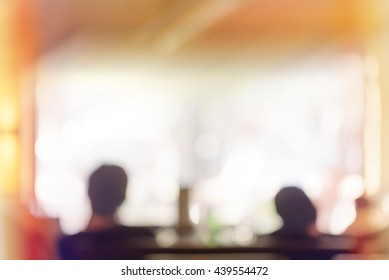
235,134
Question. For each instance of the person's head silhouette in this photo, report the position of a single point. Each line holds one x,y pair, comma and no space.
107,191
296,211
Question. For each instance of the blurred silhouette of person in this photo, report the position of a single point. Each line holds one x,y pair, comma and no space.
104,238
370,218
299,224
297,213
370,227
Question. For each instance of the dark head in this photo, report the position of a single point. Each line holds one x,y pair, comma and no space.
107,189
296,210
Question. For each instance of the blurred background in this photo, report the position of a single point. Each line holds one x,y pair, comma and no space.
217,102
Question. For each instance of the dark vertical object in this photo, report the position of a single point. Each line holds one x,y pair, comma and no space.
184,226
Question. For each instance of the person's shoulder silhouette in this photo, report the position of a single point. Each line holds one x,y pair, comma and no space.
104,238
120,242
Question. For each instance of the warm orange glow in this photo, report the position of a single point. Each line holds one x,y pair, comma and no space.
5,15
9,162
9,104
9,114
17,53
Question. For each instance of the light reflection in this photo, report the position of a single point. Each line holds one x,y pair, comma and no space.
343,215
194,213
45,148
207,146
59,188
74,217
69,133
313,185
351,187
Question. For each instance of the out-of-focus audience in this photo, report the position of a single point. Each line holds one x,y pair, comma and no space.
105,238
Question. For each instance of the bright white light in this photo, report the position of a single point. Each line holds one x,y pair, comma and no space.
70,133
150,213
244,235
267,189
210,192
45,148
235,211
124,114
194,213
164,176
207,146
60,188
243,168
238,181
268,223
351,187
74,217
313,186
343,215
